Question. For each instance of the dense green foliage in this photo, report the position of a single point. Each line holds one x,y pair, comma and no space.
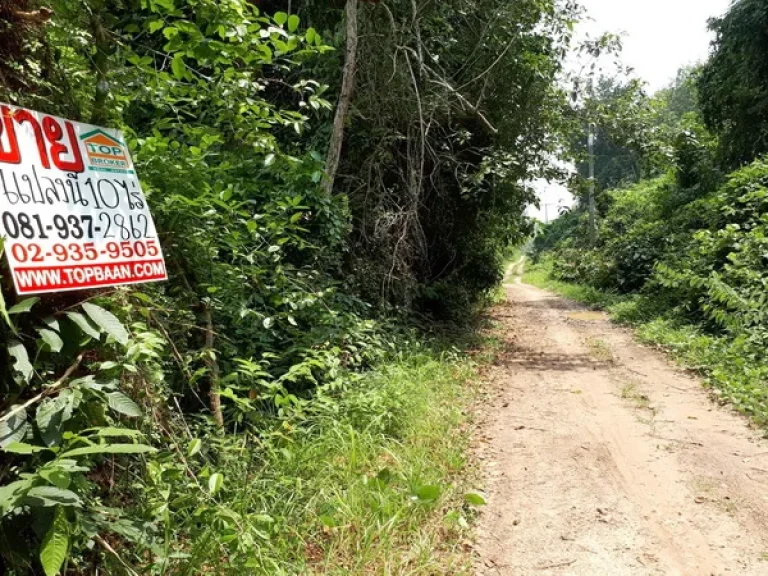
263,411
734,83
682,253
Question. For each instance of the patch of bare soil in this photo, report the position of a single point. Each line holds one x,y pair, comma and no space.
602,458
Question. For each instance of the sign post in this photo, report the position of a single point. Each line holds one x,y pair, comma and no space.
72,212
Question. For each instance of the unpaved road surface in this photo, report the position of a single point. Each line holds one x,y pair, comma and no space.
602,458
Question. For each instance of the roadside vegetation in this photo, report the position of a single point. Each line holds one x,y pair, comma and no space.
334,184
682,196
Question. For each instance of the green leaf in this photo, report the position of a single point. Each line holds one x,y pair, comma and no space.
82,323
3,309
155,25
120,403
110,432
47,496
59,478
293,23
215,482
47,411
22,448
24,306
269,160
10,493
178,67
311,35
428,493
49,418
474,499
22,365
13,429
281,18
55,545
4,313
53,340
108,322
194,447
110,449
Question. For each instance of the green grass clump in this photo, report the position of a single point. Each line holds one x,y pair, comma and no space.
370,481
540,275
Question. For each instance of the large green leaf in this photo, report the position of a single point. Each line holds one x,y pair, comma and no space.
49,418
293,23
13,429
120,403
109,449
47,496
110,432
82,323
194,447
177,66
54,341
280,17
22,365
23,306
9,494
108,322
215,482
55,545
57,477
22,448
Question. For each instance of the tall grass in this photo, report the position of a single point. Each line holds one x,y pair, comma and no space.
371,482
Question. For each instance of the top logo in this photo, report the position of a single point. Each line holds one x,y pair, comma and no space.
105,153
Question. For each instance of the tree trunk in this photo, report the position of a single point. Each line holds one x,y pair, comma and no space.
345,98
213,368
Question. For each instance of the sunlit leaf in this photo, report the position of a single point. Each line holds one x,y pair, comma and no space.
215,483
108,322
55,545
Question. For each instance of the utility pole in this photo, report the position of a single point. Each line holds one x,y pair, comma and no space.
592,218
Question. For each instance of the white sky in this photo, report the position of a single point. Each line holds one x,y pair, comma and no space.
659,37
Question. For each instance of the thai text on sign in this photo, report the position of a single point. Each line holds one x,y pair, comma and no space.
72,212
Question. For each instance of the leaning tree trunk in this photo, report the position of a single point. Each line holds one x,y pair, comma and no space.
345,98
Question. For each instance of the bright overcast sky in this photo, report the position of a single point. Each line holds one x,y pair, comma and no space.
659,37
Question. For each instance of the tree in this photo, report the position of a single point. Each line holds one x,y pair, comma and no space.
733,85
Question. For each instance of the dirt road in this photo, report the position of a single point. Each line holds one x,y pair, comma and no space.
604,459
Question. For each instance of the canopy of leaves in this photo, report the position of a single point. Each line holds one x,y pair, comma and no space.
733,85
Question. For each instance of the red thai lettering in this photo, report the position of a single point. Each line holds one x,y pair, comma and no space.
54,133
13,154
22,116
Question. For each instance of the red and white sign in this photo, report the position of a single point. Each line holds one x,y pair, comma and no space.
72,213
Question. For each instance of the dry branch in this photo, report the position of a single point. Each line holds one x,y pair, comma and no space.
47,392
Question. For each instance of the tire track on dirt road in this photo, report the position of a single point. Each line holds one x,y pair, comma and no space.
603,459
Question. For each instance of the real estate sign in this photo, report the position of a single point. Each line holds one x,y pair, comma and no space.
72,212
